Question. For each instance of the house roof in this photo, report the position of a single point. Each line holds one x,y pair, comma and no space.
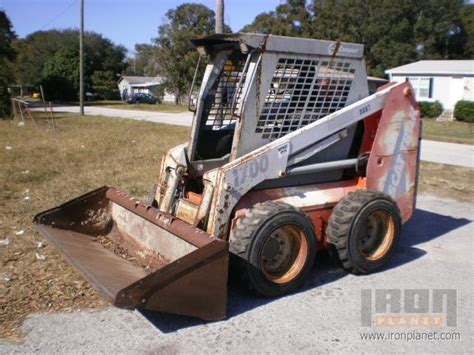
142,80
376,80
456,67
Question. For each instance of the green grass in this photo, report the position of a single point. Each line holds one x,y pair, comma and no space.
454,132
163,107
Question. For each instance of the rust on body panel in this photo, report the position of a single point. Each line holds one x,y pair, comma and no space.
394,158
139,257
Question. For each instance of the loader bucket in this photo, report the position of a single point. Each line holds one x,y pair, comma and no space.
139,257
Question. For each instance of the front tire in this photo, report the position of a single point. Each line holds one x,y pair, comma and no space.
275,247
364,229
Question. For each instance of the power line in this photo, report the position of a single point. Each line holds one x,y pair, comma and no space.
59,14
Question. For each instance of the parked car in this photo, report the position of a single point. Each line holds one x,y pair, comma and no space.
144,98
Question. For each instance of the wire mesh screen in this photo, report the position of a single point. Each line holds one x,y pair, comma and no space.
301,92
228,95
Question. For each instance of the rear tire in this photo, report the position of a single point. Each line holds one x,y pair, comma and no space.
275,247
364,229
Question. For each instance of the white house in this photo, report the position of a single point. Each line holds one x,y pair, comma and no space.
447,81
129,85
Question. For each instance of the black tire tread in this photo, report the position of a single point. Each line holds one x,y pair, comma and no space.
340,222
241,235
246,227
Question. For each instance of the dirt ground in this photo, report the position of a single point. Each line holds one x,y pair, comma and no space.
42,167
447,181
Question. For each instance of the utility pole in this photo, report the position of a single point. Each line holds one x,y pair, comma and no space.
81,61
219,29
219,16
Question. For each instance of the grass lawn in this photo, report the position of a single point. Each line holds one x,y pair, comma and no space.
41,168
454,132
163,107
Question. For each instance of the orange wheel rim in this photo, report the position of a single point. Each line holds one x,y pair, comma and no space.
378,236
284,254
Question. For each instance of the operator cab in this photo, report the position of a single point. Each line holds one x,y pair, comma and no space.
219,99
219,108
257,88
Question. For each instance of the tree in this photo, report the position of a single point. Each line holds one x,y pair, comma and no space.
394,32
104,85
384,27
467,18
6,55
289,19
61,76
439,31
38,49
6,37
145,61
175,55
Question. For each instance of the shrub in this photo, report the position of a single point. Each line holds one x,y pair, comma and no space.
61,75
5,103
464,111
5,78
58,88
430,109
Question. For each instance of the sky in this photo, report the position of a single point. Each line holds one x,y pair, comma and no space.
125,22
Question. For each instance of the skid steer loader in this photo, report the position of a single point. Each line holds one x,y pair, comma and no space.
288,155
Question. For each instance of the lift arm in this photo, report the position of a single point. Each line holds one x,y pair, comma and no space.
231,181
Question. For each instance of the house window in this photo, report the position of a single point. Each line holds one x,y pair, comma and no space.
423,87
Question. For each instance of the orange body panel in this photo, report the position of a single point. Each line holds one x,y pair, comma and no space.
316,200
394,158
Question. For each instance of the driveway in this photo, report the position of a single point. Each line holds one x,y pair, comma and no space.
435,252
447,153
180,119
431,151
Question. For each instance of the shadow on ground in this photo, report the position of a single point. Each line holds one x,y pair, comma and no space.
423,227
